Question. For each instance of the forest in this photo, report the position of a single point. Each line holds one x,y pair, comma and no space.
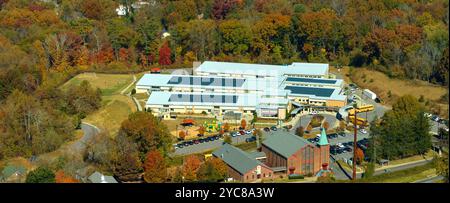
45,43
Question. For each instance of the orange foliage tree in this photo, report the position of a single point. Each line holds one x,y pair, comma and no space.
60,177
155,168
243,123
190,166
359,155
182,134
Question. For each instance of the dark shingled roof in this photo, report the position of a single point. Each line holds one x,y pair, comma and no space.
285,143
236,158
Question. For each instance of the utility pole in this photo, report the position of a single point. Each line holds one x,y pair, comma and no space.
354,144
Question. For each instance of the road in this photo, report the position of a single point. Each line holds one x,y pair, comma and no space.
89,131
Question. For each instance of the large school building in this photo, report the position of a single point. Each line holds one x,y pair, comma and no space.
270,91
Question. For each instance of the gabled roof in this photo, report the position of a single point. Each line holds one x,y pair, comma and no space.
97,177
236,158
11,169
285,143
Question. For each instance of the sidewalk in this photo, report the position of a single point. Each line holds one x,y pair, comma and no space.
402,164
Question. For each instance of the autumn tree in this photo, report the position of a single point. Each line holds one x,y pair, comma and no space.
190,166
147,132
61,177
164,54
226,127
300,131
221,8
359,155
227,139
126,163
213,170
155,168
243,123
182,134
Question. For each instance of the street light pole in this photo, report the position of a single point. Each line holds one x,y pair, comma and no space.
354,144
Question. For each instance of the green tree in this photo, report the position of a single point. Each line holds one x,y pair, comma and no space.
40,175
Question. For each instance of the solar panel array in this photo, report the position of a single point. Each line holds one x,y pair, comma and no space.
292,79
320,92
206,81
203,98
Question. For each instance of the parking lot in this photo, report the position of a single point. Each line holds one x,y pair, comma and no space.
213,143
341,145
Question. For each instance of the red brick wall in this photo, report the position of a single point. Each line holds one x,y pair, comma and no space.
250,176
296,160
272,158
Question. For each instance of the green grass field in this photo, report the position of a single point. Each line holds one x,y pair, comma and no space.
109,84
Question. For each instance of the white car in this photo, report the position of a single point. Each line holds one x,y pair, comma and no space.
314,112
363,131
428,115
248,132
340,145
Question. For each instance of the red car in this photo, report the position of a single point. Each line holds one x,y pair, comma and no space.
196,141
242,132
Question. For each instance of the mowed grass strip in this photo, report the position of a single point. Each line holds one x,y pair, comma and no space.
109,84
403,176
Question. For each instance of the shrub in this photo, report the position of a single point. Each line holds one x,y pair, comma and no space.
41,175
296,176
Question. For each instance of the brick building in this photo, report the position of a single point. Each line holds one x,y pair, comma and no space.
291,154
242,166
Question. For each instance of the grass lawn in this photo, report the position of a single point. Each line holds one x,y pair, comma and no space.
115,107
114,110
247,146
403,176
428,155
109,84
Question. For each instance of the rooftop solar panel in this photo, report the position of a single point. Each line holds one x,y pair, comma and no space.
320,92
206,81
292,79
203,98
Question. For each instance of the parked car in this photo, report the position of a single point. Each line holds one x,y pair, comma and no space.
191,142
196,141
180,145
340,145
267,129
250,139
274,128
211,138
314,112
349,149
311,140
248,132
363,131
201,140
342,134
216,137
199,135
435,118
242,132
185,144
